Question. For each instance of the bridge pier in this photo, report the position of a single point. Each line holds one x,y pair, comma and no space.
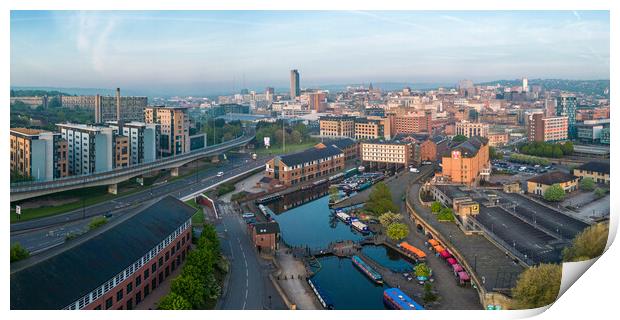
113,188
174,172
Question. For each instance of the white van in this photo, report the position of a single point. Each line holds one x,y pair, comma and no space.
414,170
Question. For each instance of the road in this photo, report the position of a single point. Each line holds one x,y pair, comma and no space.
249,287
40,234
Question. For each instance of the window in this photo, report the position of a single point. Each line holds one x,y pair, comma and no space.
153,267
119,295
138,280
98,307
154,283
146,274
129,287
161,261
146,290
129,304
108,303
167,271
138,297
167,256
161,277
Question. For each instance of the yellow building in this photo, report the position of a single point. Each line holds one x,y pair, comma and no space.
343,126
539,184
387,152
598,171
174,126
38,154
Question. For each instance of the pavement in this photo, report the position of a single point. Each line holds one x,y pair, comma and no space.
292,279
41,234
248,287
247,185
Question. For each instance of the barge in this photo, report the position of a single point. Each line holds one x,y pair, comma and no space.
396,299
367,270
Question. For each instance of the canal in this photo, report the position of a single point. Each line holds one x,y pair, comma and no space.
313,225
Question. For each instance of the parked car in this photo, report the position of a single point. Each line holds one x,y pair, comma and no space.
414,170
220,174
248,215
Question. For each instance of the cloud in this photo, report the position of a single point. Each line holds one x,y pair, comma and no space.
92,38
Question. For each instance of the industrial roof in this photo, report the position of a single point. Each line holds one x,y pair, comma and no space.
62,279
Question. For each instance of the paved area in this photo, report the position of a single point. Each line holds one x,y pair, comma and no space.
495,268
247,185
248,287
292,279
596,209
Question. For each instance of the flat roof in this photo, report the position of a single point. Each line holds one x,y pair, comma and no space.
28,131
58,281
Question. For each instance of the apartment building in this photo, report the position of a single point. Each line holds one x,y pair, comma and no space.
109,108
498,139
471,129
143,140
550,129
398,153
428,150
412,123
38,154
89,148
332,126
174,128
116,269
121,151
598,171
468,162
566,106
296,168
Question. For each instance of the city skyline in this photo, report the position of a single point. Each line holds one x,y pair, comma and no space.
212,52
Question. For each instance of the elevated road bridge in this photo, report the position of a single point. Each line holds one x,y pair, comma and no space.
27,190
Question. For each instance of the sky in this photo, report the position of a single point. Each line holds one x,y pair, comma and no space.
194,52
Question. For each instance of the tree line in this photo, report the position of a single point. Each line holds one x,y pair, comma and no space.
548,150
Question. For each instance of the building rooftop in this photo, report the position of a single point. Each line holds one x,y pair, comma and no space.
552,177
308,155
83,127
342,143
470,147
271,227
596,166
27,131
61,279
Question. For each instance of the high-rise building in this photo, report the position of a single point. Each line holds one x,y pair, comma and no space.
295,91
566,106
316,101
269,93
547,129
524,85
89,148
119,108
174,128
142,137
38,154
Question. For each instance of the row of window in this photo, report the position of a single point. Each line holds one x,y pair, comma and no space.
112,283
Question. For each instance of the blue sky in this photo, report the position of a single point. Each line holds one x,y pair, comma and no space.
214,51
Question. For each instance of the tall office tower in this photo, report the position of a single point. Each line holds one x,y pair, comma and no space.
295,91
269,92
566,106
118,104
525,86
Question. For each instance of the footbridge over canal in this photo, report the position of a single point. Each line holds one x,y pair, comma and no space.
27,190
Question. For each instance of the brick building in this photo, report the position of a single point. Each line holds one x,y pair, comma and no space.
115,269
266,235
468,162
343,126
549,129
412,123
299,167
428,151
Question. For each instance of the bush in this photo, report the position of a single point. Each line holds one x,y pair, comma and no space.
537,286
459,138
521,158
397,231
429,296
422,270
600,192
436,206
389,218
97,222
225,188
18,252
380,200
173,301
445,214
554,193
587,184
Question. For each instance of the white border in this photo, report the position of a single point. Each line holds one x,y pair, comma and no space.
593,296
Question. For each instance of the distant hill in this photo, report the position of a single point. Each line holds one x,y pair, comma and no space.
590,87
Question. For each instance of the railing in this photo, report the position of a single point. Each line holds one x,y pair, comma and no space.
60,182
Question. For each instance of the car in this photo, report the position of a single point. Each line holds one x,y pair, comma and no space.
220,174
427,162
414,170
248,215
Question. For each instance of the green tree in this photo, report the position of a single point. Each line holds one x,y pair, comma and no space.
557,151
588,244
494,154
600,192
445,214
18,252
537,286
548,151
334,194
568,148
397,231
587,184
380,200
459,138
554,193
190,288
173,301
389,218
422,270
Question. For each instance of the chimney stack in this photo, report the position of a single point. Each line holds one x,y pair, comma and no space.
118,104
